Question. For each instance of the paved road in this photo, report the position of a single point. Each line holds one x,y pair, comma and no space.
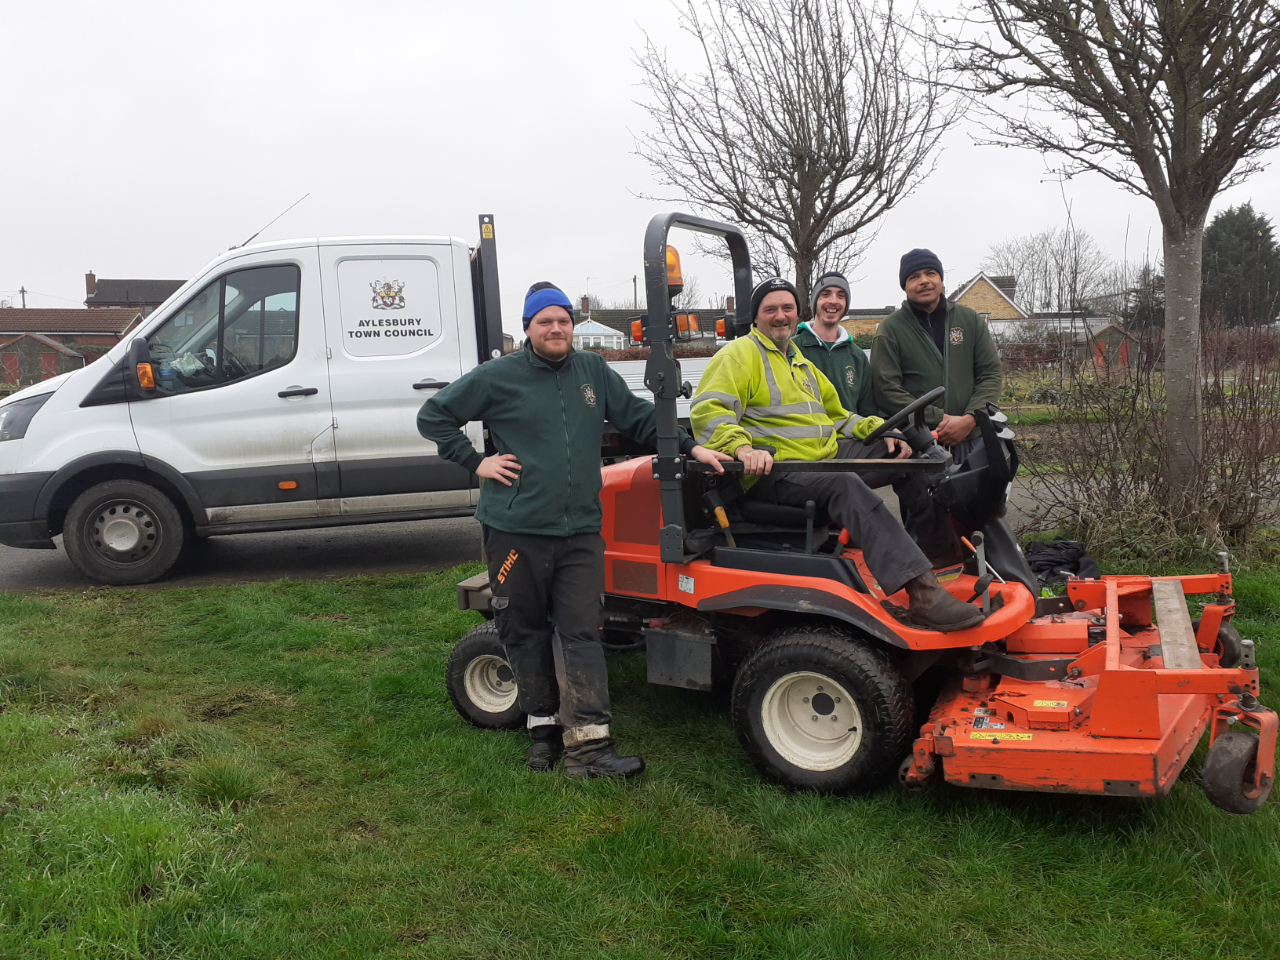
302,554
299,555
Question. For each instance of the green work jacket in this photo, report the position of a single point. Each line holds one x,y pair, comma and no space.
552,421
906,364
845,364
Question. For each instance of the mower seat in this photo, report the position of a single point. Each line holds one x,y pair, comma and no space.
777,514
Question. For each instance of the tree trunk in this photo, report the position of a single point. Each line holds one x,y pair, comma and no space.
804,276
1184,417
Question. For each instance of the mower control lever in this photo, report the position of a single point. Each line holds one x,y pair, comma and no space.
915,407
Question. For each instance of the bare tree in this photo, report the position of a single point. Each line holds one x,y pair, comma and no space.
690,298
807,122
1174,100
1059,269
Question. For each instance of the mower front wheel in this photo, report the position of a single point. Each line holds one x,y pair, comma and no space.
818,709
480,682
1229,646
1229,771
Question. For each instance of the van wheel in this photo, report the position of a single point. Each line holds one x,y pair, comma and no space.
123,532
817,709
480,682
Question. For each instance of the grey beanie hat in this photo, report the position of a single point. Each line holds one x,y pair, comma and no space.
832,278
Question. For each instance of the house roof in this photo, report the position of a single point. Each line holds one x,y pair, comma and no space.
1087,335
594,329
107,320
132,291
999,284
54,344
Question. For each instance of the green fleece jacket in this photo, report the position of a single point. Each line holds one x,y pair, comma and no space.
845,364
906,363
552,421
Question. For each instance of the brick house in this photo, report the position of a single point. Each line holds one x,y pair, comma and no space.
34,342
992,298
144,295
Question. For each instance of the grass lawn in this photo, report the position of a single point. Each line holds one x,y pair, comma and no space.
275,771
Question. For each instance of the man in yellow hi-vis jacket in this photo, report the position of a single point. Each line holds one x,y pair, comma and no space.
761,391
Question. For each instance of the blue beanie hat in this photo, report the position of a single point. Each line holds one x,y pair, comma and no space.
917,259
541,295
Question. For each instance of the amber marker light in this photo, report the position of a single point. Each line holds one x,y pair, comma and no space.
720,327
675,279
146,379
288,484
637,331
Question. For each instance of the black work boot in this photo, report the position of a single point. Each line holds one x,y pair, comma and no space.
545,750
932,608
599,758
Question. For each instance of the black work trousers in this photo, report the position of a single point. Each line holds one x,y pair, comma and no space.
547,594
890,552
927,522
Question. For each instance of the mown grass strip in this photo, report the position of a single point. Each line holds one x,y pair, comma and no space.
275,770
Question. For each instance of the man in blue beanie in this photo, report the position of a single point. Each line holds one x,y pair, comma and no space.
545,408
927,343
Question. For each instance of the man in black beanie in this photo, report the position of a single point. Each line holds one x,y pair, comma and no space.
928,343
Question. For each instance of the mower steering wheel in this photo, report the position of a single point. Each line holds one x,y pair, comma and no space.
916,407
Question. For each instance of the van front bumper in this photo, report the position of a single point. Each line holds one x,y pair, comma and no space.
19,526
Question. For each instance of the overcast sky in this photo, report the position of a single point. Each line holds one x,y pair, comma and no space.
141,140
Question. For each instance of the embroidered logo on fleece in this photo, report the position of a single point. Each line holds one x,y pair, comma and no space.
589,394
849,376
957,336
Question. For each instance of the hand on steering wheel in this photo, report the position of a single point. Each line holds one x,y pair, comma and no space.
915,407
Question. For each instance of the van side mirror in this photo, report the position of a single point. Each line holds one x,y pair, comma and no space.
139,377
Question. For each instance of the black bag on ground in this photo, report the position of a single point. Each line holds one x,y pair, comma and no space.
1054,560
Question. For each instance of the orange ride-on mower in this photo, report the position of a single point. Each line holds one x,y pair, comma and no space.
1105,690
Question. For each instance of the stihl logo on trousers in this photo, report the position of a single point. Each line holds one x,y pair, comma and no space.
507,565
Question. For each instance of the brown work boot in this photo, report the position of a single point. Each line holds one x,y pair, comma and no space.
932,608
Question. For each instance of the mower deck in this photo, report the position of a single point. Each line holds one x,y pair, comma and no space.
1121,723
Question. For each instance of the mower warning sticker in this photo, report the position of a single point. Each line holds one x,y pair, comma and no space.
686,584
998,735
982,723
1052,704
983,712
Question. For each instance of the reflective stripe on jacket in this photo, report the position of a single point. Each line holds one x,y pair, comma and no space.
752,393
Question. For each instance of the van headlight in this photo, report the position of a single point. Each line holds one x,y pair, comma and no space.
14,417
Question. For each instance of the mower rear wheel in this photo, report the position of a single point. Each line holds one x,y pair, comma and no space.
480,682
817,709
1228,648
1229,771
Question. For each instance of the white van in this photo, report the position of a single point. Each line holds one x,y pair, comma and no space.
276,390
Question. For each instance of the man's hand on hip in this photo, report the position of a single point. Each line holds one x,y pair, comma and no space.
711,457
755,462
503,467
954,429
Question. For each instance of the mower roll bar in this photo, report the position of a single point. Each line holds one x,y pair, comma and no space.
662,371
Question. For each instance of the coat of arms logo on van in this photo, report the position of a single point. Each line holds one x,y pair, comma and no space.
388,294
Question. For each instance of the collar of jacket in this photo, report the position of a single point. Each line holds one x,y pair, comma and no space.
829,344
770,345
537,361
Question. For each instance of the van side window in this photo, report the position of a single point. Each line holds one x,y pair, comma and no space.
239,325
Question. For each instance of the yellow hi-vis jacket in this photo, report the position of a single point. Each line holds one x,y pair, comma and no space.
752,393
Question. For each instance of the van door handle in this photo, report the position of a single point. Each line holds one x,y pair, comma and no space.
430,384
299,392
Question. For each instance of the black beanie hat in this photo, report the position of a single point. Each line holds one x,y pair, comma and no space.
766,287
917,259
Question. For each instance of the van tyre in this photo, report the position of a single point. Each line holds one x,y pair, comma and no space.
818,709
1228,770
123,532
480,682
